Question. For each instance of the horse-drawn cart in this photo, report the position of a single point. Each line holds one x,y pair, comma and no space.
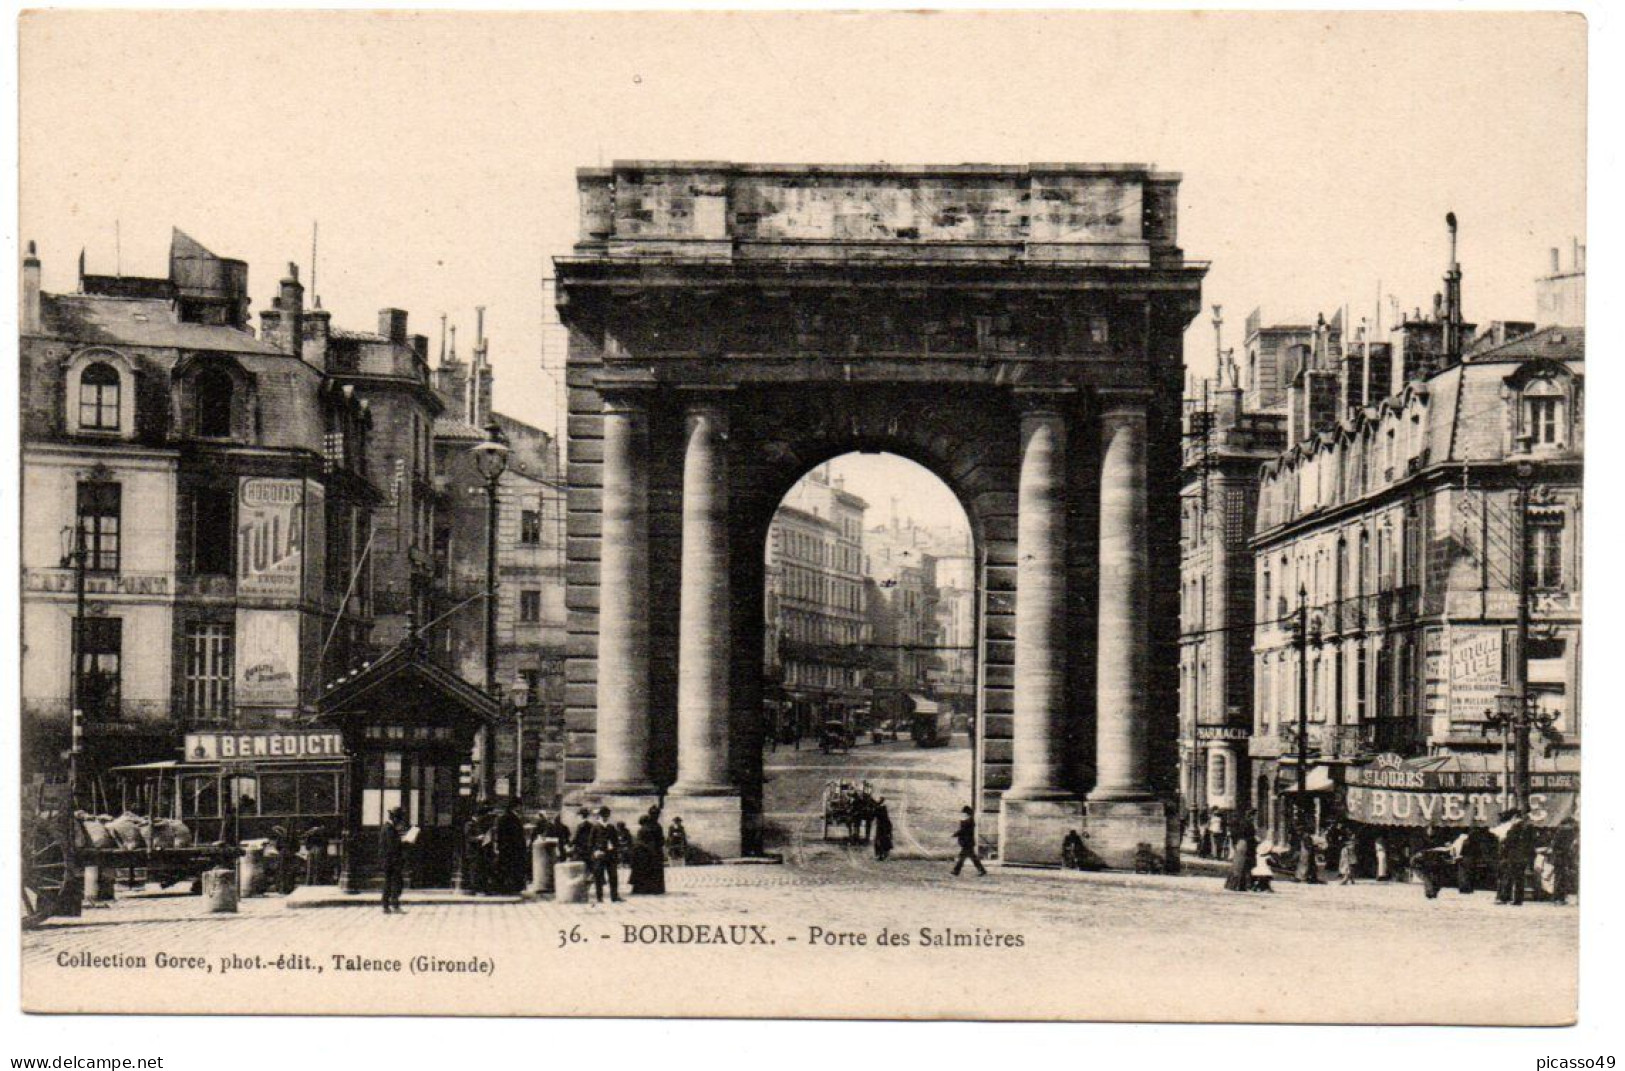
848,805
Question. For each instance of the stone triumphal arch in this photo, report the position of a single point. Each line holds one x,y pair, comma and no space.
1017,330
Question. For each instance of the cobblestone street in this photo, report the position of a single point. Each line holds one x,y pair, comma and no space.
1090,946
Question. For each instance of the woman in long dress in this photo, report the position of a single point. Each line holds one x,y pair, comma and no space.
883,830
1243,855
648,868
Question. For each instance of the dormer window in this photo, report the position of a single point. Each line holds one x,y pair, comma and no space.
100,397
214,398
1543,420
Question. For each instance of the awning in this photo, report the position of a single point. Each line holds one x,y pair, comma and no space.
1318,780
1455,791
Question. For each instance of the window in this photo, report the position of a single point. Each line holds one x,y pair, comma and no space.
530,526
530,606
99,512
214,391
211,526
208,672
101,646
99,398
1360,685
1543,420
1543,550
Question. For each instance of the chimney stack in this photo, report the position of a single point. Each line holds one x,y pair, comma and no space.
1453,343
31,291
284,322
1557,264
392,325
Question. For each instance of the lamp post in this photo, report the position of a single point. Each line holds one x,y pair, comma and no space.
521,698
1303,635
1520,664
75,557
491,459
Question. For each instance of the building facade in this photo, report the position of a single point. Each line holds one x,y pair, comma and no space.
528,746
213,487
815,612
1405,540
1225,446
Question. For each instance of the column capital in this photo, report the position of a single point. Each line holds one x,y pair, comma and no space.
1043,401
1122,401
622,401
706,400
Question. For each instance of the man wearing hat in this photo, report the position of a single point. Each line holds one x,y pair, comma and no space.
966,836
392,854
581,843
605,857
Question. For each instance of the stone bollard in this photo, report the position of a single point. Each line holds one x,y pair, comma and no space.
220,890
251,871
572,883
543,852
99,883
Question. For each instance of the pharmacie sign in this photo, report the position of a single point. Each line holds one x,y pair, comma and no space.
268,744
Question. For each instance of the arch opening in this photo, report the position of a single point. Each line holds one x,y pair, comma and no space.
871,611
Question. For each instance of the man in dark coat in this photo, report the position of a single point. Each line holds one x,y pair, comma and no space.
392,857
1516,854
883,830
605,855
581,845
1565,853
511,851
477,852
966,836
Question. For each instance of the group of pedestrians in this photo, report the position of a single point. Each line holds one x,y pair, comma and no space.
495,853
603,846
1507,857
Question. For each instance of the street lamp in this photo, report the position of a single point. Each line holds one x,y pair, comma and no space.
520,693
75,556
491,459
1304,633
1515,716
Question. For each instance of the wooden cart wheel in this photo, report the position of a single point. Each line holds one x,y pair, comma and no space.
45,873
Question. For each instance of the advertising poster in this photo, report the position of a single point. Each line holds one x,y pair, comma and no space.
270,537
267,658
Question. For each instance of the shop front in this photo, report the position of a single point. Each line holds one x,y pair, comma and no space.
1454,792
410,729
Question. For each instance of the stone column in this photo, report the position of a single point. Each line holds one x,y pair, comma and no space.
1039,747
1040,807
1123,812
1121,766
623,605
704,796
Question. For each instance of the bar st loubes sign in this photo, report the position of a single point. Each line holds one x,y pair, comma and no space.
272,744
1390,793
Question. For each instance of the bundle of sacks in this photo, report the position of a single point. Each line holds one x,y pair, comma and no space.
132,832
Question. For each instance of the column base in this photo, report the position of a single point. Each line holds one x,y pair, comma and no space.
627,803
1115,829
1031,831
715,823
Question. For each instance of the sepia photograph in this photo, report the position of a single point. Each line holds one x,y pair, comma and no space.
976,514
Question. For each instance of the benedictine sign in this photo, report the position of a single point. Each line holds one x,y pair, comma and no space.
263,744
